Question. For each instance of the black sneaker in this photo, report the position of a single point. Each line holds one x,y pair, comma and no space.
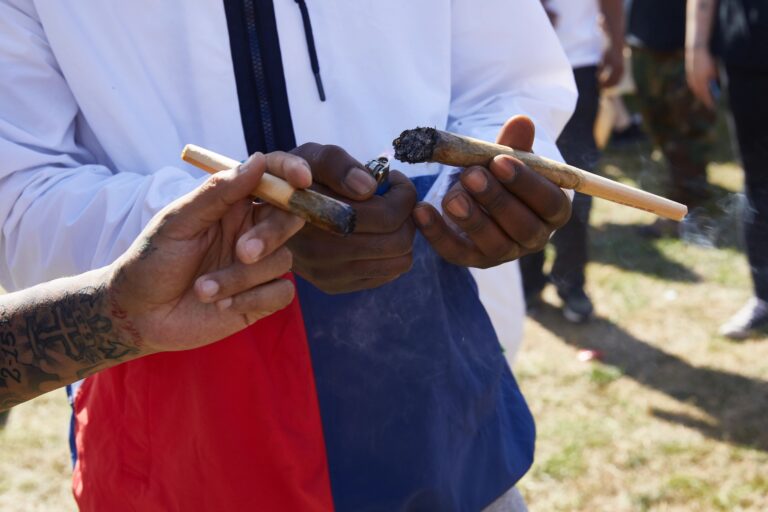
742,325
577,307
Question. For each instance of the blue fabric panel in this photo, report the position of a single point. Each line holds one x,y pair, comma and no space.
420,411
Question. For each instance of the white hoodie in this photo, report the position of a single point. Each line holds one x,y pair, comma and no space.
98,97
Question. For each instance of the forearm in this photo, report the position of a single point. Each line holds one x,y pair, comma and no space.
60,332
613,21
699,17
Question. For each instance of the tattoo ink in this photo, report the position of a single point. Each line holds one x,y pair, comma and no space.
147,248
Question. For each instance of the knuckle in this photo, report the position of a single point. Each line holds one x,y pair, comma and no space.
405,264
562,217
285,293
330,153
306,149
214,182
474,225
404,241
514,253
536,238
284,258
558,210
499,249
497,202
389,222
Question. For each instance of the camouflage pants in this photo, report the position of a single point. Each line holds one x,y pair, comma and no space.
679,124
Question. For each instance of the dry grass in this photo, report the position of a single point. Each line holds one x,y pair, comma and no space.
35,464
674,418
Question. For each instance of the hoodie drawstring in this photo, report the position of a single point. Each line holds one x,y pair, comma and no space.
311,48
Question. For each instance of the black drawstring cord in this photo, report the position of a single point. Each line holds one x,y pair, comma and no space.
311,47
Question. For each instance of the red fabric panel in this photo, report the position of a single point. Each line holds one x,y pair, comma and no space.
231,426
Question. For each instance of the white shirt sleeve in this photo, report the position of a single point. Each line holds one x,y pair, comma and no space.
63,208
507,60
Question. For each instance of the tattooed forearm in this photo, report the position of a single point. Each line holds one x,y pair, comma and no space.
50,337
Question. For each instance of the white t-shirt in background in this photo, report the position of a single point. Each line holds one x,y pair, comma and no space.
578,27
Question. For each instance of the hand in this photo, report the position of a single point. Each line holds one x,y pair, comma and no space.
611,67
701,71
210,263
498,213
380,249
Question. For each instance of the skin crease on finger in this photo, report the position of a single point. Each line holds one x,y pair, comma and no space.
496,214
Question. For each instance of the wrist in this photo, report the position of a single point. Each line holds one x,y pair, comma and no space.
121,315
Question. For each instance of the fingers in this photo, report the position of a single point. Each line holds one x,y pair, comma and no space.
220,286
701,91
187,217
292,168
501,214
317,248
498,221
263,300
610,76
444,240
337,170
271,230
518,133
358,275
611,68
698,83
542,196
701,71
386,213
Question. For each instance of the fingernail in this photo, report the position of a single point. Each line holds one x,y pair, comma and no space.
209,288
476,181
246,164
505,168
224,304
254,248
423,217
458,207
359,181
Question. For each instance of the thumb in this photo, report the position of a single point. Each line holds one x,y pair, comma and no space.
518,133
198,210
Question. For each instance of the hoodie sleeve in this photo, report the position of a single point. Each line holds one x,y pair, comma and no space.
62,210
507,60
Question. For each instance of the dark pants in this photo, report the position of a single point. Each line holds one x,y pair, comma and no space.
678,123
577,144
748,93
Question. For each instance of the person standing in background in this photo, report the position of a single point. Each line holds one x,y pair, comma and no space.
595,65
741,41
677,122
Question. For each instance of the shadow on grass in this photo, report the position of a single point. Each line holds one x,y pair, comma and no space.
737,404
621,246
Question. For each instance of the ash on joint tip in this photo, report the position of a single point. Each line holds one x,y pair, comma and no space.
414,146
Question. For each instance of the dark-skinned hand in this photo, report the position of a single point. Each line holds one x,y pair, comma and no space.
379,250
496,214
